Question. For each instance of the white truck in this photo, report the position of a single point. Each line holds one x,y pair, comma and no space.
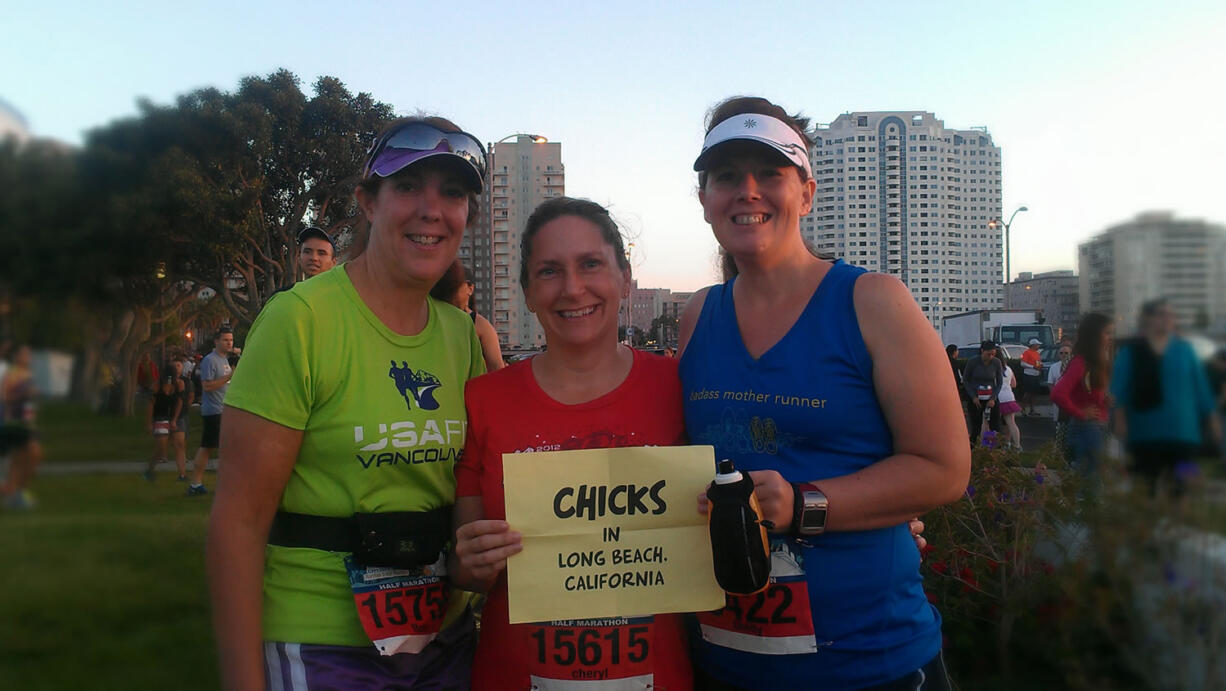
1002,326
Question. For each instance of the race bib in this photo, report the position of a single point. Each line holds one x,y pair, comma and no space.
984,391
401,611
775,621
611,654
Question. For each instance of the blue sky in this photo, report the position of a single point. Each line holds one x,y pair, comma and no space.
1102,109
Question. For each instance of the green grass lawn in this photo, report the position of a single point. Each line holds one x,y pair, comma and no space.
73,432
103,587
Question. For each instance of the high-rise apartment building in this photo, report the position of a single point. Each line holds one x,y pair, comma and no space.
1156,255
899,193
1055,293
523,173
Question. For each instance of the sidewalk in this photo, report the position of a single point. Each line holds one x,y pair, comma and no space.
108,467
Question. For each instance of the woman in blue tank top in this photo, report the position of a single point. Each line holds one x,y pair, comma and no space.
778,374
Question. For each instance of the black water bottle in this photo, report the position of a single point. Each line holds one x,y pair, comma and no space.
739,544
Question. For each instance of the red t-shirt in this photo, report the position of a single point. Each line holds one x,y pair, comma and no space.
1073,394
1031,357
509,413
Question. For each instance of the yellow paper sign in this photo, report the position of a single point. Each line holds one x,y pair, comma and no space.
609,533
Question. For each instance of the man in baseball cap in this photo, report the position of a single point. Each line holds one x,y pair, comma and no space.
316,251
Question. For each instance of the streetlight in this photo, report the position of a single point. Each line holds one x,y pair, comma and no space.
994,224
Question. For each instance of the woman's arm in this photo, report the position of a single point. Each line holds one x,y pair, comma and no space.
490,348
259,457
931,461
481,547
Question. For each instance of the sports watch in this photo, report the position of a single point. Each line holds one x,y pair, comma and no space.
808,510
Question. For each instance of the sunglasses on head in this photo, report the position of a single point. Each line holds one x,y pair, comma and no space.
402,146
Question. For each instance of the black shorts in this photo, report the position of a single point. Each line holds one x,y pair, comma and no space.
14,436
211,438
1030,383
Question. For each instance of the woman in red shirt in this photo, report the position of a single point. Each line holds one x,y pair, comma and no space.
1081,393
585,391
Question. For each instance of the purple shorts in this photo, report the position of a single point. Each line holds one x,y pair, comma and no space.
1009,408
444,665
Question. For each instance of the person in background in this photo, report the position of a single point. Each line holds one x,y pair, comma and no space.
982,378
1009,408
215,374
181,426
1162,400
316,251
147,375
1032,368
456,288
1081,394
18,437
164,407
1061,418
951,352
1217,387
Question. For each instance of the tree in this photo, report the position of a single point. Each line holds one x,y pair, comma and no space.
665,329
226,180
158,213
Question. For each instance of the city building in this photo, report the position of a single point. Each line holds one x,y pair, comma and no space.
673,306
1157,255
13,124
1054,293
647,305
899,193
523,173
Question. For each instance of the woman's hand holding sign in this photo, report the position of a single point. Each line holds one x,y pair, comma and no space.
481,546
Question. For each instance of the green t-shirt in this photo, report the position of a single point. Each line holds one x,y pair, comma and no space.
383,424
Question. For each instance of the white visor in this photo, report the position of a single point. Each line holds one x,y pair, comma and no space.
756,127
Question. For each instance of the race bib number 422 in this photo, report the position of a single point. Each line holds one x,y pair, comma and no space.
775,621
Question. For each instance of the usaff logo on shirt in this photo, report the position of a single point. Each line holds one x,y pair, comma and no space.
419,384
403,441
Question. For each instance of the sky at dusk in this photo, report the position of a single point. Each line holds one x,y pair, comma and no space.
1102,109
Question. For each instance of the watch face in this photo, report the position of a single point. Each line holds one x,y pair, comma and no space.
813,519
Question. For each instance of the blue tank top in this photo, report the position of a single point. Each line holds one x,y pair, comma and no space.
845,608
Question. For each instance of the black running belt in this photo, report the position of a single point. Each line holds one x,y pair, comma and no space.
337,534
329,533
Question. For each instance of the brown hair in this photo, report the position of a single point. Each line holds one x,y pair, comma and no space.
558,207
1089,346
451,281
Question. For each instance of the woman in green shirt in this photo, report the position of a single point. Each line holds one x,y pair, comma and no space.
340,430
